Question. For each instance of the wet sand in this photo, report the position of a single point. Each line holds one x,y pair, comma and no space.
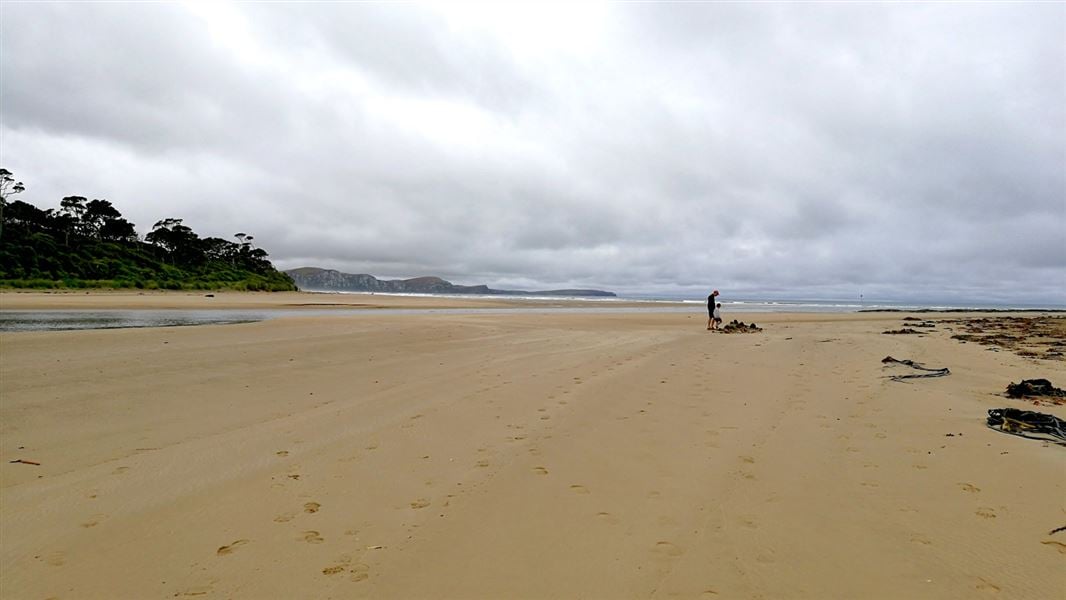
519,456
190,300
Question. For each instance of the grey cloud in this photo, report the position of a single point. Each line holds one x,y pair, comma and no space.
401,45
803,149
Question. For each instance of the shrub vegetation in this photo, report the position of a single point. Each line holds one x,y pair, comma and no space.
88,244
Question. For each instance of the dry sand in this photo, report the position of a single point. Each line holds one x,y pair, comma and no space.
518,456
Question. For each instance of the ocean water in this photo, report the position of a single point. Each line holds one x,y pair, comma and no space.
748,305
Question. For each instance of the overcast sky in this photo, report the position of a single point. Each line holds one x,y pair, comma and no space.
899,151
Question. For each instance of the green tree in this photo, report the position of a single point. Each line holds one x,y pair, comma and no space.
98,212
73,209
118,230
8,187
180,243
26,215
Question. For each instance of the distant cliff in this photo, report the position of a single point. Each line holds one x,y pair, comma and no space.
327,280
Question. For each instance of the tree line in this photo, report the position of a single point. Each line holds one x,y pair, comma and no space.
88,243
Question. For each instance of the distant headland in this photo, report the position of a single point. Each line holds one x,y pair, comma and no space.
313,279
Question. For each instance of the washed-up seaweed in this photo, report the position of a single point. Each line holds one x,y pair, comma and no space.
1028,424
910,363
1042,338
1029,388
735,326
904,331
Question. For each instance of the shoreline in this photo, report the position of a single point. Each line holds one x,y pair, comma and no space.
965,310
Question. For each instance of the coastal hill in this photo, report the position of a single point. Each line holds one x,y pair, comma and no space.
327,280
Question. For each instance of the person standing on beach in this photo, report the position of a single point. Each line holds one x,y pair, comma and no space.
710,310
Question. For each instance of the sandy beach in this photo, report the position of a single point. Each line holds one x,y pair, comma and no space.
516,456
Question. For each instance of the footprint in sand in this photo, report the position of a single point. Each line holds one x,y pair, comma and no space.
668,549
579,489
282,453
921,539
94,521
748,459
540,470
708,593
749,522
482,463
55,559
986,512
312,507
607,517
987,586
224,550
359,572
1056,545
342,564
120,470
284,517
200,590
311,537
420,503
966,487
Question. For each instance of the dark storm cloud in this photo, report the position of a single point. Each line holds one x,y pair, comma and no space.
910,150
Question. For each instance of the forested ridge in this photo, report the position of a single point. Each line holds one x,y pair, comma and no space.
88,244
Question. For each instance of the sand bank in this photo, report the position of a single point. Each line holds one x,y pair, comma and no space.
189,300
524,456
